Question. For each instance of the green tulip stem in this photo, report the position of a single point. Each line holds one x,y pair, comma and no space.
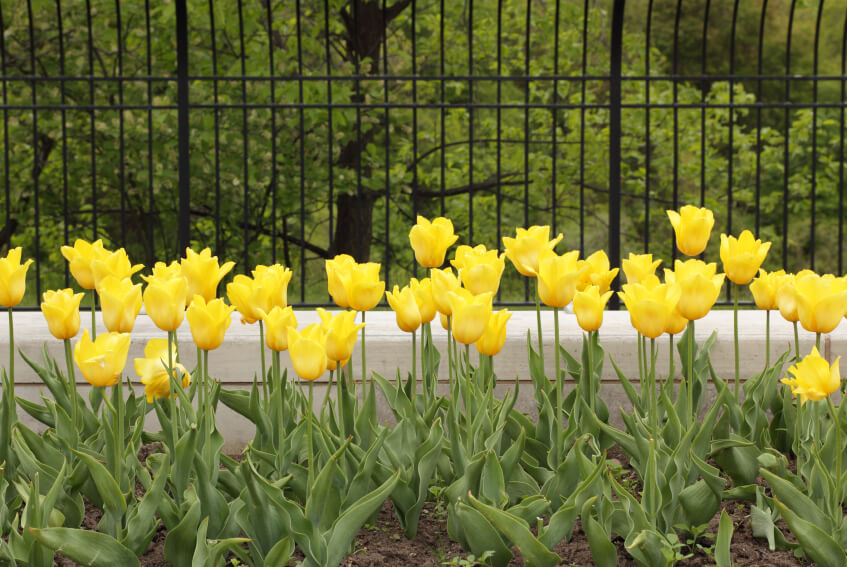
329,388
450,352
199,362
117,390
652,379
11,392
735,331
311,463
264,368
839,450
538,319
796,343
201,386
364,357
589,382
172,396
557,374
207,392
424,331
767,338
671,359
69,361
467,359
414,366
640,346
818,341
93,314
279,406
690,377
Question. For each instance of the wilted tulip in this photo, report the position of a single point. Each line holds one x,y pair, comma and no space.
308,351
80,256
742,257
61,310
814,379
470,314
405,308
698,284
494,337
638,266
153,369
13,278
208,321
430,241
588,305
277,322
692,226
121,302
102,360
558,277
764,289
202,273
524,249
479,269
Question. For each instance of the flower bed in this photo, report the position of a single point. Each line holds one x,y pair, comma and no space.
690,477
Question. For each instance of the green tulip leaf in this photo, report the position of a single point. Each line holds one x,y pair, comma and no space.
92,549
722,555
816,543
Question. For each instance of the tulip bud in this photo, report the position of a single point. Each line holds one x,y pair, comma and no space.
494,337
61,310
80,256
814,379
558,277
470,314
764,289
588,306
742,257
308,351
480,269
405,307
113,264
153,369
524,249
13,278
102,360
121,302
595,271
693,227
208,321
423,296
202,273
430,241
277,322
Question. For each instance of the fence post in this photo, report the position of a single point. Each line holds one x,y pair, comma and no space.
183,215
615,144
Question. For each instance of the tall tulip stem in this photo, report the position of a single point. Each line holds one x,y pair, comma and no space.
329,388
796,343
538,319
690,377
557,374
11,392
172,396
589,375
117,391
838,452
207,391
735,330
652,380
69,361
414,366
264,368
93,314
311,463
450,351
279,407
671,358
767,338
364,355
818,341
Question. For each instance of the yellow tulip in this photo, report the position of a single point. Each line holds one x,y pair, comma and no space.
443,282
335,268
164,297
277,322
786,298
494,337
308,351
280,276
405,307
253,297
153,369
558,277
698,284
203,273
480,270
102,360
164,271
13,278
362,285
764,289
430,240
821,301
588,305
525,248
208,321
814,379
638,266
676,324
445,324
423,296
340,332
61,310
120,301
650,308
595,271
470,314
80,256
742,256
692,226
113,264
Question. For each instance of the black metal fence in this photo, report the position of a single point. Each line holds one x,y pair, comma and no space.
280,131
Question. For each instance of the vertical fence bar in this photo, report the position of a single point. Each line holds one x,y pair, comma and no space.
387,251
647,147
65,204
704,43
441,108
218,250
675,79
582,129
415,125
759,52
92,129
36,152
330,138
184,219
786,156
301,136
500,132
121,150
553,164
526,130
841,153
615,144
813,188
730,165
272,70
245,145
151,204
470,121
6,183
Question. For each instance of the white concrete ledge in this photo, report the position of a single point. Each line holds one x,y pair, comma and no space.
388,348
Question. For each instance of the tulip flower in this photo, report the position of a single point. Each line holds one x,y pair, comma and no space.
742,257
494,336
362,286
80,257
596,272
208,321
470,314
676,324
153,369
308,351
203,273
13,278
405,307
650,308
764,289
164,297
61,310
121,302
525,248
253,297
113,264
638,266
430,241
699,287
335,268
786,300
443,282
814,379
340,332
424,298
281,276
102,360
693,227
558,277
588,306
277,322
821,301
479,269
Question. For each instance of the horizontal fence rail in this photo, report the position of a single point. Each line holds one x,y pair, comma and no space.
279,131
